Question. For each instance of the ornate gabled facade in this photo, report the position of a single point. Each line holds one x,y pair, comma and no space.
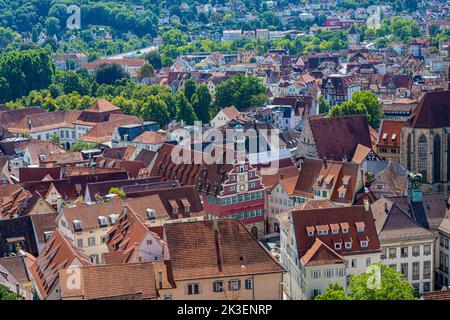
229,190
425,141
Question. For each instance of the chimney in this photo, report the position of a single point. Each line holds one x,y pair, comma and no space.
281,176
124,210
324,160
160,284
366,205
217,242
386,207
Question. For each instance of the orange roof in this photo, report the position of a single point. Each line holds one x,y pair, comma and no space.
289,184
150,137
102,105
389,133
216,248
231,112
360,154
126,235
321,254
57,254
135,280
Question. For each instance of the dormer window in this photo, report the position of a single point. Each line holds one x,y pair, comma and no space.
77,225
323,232
102,221
113,218
338,246
151,213
364,244
310,231
348,245
344,230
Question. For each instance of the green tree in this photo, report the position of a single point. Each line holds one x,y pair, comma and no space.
201,101
154,58
190,86
53,26
81,145
186,111
324,105
334,292
117,191
73,82
241,92
146,71
363,102
110,73
392,286
6,294
54,138
155,109
24,71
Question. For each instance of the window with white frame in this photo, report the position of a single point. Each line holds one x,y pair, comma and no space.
234,285
193,288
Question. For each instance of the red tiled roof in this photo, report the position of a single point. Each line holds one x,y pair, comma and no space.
443,294
150,137
337,138
321,254
126,235
433,111
389,133
136,280
345,217
57,254
335,172
216,248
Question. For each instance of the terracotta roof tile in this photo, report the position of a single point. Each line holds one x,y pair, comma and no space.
135,280
198,251
337,138
57,254
346,218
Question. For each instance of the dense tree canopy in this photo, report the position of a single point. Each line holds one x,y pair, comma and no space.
241,92
110,73
363,102
22,72
391,286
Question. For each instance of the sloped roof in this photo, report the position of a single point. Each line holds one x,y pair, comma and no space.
125,237
321,254
57,254
395,224
203,249
150,137
336,171
389,133
433,111
102,105
112,281
339,216
337,138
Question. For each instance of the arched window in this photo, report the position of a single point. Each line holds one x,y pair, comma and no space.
409,152
423,156
437,158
